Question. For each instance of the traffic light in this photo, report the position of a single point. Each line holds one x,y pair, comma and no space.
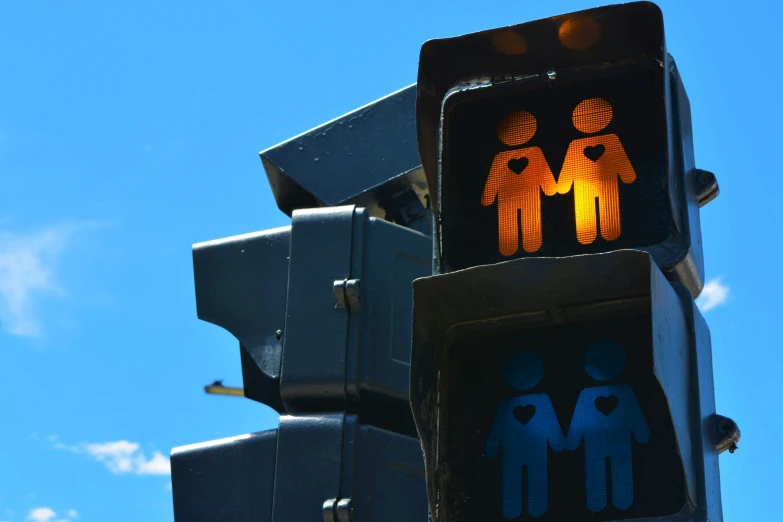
319,467
322,311
560,137
560,369
366,158
576,388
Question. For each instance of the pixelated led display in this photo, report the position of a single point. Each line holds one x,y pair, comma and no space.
565,423
512,192
533,170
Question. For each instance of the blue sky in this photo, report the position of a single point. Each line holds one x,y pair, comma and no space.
130,131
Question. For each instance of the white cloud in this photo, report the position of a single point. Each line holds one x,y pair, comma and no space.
117,456
122,457
27,274
41,514
47,514
714,294
157,465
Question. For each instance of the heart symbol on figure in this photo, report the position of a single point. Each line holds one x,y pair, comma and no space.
606,405
524,413
595,152
518,165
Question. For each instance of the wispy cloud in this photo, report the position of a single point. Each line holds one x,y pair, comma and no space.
28,263
715,293
121,457
47,514
41,514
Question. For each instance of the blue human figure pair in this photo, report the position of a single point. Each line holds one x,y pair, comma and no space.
605,418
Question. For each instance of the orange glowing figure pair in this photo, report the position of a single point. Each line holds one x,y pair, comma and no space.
592,166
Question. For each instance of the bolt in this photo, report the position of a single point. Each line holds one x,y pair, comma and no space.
557,315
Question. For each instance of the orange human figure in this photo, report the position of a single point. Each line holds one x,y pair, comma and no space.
515,180
592,165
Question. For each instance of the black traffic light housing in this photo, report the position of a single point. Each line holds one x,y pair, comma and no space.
322,312
366,158
537,61
321,309
468,324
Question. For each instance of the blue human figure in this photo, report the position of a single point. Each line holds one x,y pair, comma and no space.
523,426
606,417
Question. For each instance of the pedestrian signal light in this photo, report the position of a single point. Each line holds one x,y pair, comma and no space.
560,137
571,160
520,179
578,404
569,422
580,168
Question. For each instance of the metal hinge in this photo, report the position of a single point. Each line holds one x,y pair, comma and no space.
338,510
346,294
706,186
728,434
